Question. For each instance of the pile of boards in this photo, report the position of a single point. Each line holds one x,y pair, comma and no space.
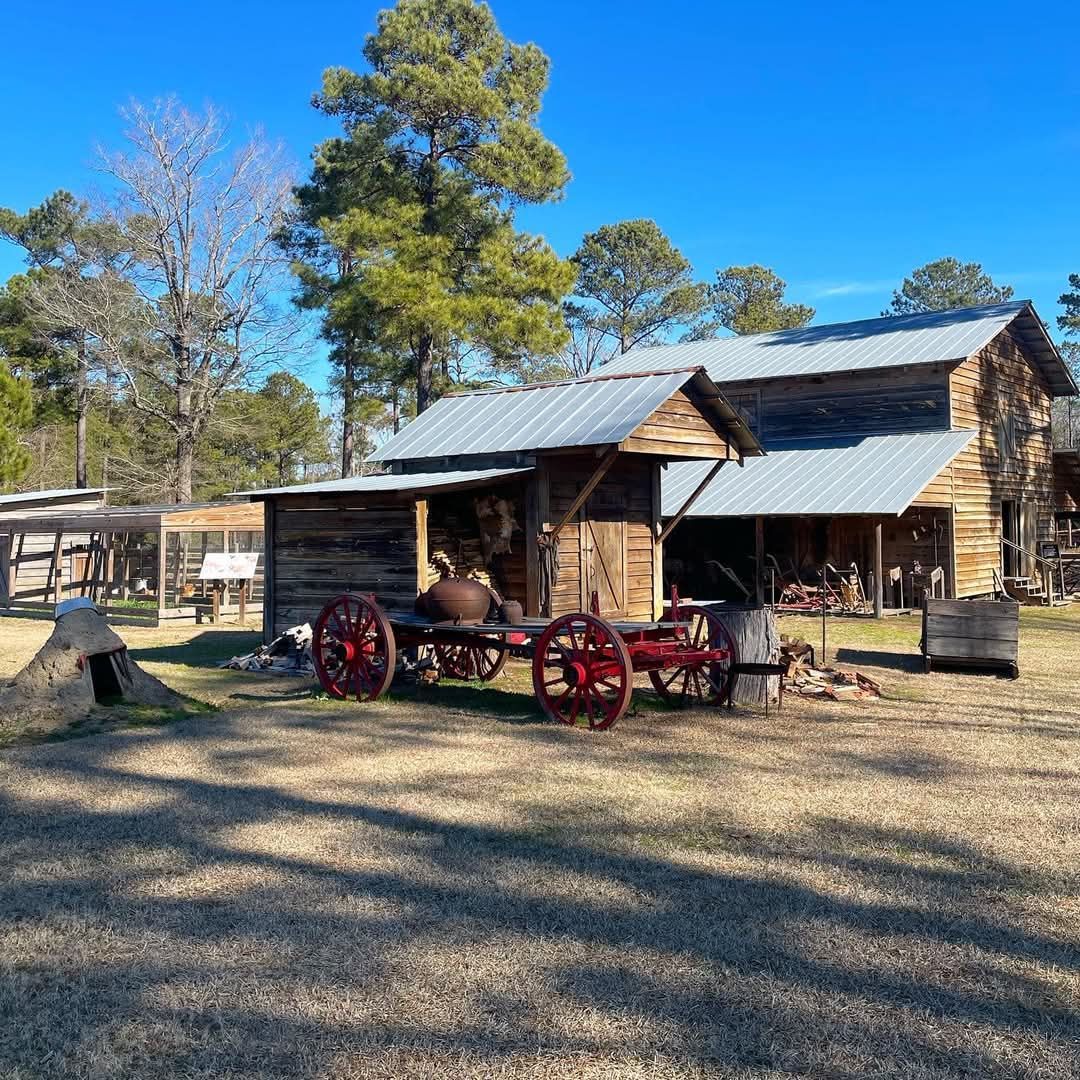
288,654
805,678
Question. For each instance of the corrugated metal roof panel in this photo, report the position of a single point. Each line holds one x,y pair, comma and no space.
896,341
879,474
390,482
584,412
593,411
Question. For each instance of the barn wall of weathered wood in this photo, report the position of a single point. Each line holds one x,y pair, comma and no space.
681,427
321,547
1001,393
857,403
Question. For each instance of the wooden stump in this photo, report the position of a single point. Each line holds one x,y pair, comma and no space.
757,641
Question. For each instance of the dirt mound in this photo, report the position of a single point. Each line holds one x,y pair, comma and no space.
84,666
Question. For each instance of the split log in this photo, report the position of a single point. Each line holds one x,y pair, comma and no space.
757,641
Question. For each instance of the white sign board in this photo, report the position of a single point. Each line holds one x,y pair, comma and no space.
227,566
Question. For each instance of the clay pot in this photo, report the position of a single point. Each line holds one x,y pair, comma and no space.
510,612
456,600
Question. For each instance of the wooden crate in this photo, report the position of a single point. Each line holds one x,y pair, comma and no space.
981,633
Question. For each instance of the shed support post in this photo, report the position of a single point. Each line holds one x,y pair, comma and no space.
422,556
879,584
657,545
54,569
269,524
163,570
759,561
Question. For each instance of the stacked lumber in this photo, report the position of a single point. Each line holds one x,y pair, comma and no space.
804,678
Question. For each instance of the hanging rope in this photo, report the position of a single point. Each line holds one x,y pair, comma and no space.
548,568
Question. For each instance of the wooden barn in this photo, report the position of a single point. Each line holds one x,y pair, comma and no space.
916,448
547,492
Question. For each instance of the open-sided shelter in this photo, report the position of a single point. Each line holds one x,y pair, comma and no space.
137,562
897,442
547,492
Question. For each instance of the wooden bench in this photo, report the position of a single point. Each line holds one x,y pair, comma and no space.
979,633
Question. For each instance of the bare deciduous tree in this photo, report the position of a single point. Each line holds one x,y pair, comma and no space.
193,307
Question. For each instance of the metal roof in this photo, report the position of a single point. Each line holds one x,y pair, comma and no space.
591,411
893,341
49,496
391,482
879,474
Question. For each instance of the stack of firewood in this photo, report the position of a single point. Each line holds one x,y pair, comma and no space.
805,678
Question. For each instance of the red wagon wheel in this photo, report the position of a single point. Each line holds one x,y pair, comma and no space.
352,648
582,672
469,661
703,683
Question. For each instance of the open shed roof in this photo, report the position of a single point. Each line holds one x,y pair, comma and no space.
877,474
593,411
896,341
392,483
191,517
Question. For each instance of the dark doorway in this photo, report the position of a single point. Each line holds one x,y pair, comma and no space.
104,678
1010,532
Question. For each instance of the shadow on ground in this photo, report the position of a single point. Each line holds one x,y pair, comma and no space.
168,909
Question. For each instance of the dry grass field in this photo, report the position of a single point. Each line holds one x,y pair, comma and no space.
444,885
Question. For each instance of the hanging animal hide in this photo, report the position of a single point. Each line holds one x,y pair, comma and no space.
495,517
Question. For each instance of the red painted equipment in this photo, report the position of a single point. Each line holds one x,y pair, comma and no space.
583,666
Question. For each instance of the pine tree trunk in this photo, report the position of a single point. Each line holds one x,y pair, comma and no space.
348,403
757,641
425,370
82,408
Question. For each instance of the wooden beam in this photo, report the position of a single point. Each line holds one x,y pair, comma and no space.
759,561
657,527
52,582
590,486
879,584
163,569
421,545
270,523
709,477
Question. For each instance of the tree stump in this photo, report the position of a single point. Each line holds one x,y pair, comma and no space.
757,641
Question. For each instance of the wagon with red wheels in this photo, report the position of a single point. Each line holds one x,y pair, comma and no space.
583,666
551,495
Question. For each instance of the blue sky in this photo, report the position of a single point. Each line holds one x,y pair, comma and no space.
841,144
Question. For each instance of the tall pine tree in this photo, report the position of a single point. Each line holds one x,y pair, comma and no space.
441,134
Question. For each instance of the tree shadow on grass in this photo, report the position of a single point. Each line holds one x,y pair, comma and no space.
203,650
185,924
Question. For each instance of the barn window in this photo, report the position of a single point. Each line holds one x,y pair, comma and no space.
1005,428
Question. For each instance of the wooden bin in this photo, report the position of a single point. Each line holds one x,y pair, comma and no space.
980,633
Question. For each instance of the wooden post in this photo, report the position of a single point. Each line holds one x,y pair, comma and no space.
879,583
657,545
14,558
422,555
269,523
226,546
759,561
125,566
110,564
215,593
163,569
242,600
53,581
